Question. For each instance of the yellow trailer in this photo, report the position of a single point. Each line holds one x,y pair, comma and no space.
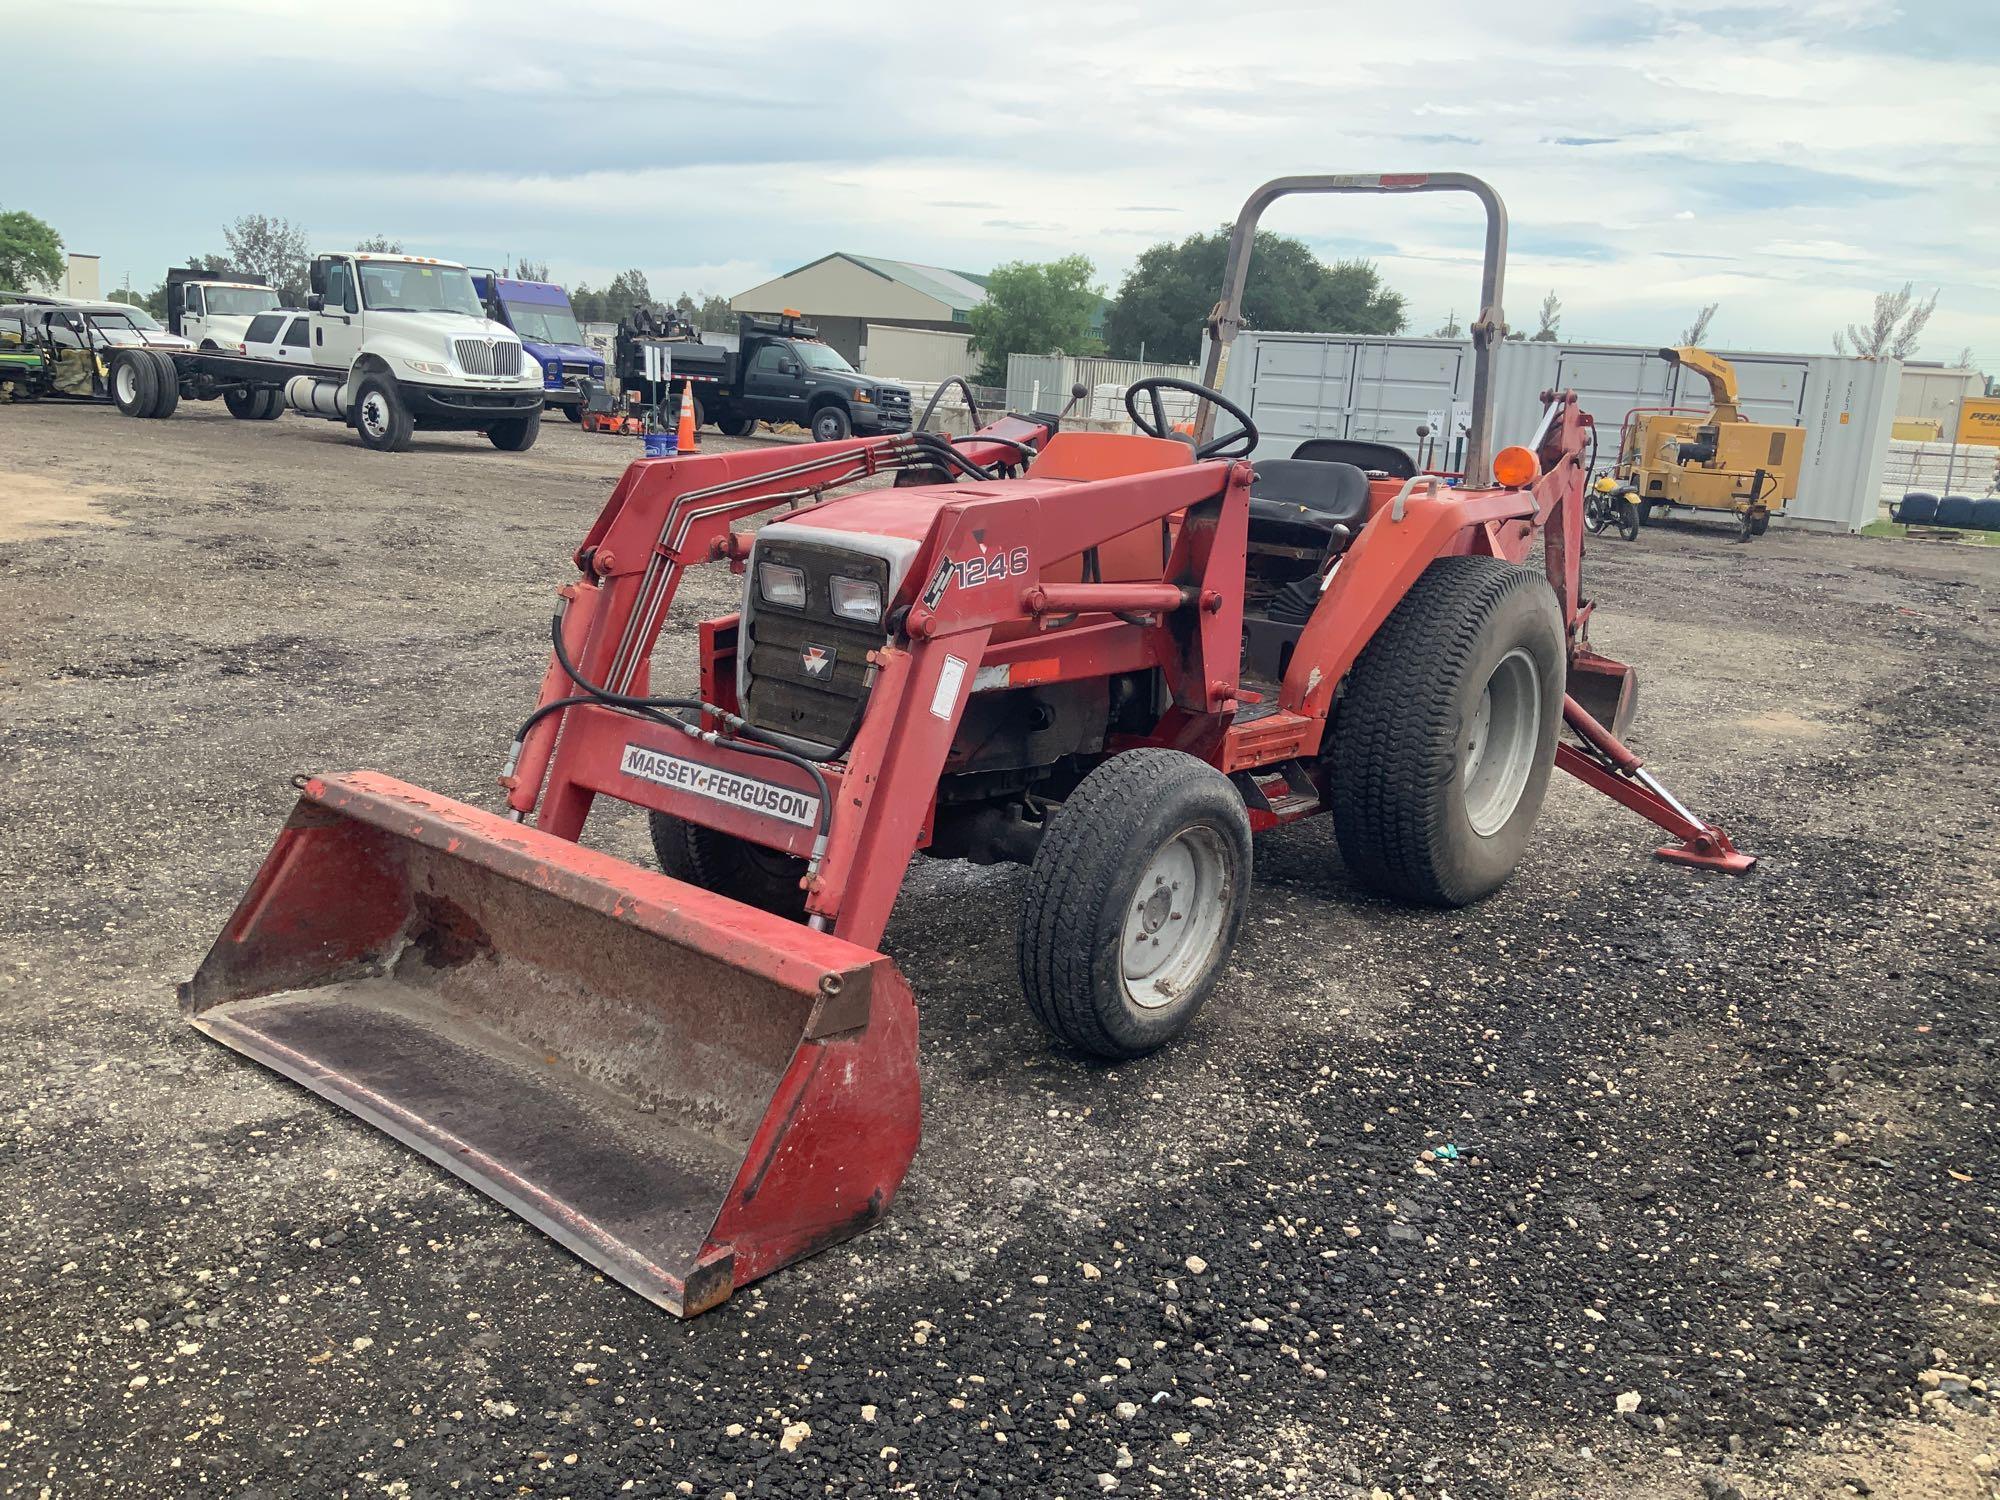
1712,461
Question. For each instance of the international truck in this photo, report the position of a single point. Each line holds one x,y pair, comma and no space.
399,344
779,372
540,315
213,311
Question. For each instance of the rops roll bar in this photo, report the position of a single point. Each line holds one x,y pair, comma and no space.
1487,330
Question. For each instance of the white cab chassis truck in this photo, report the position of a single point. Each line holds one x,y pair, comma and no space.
399,345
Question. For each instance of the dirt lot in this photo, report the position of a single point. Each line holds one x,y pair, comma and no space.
1725,1148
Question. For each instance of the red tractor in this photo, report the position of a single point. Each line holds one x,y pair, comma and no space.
1113,658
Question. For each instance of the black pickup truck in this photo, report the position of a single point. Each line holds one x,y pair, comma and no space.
779,372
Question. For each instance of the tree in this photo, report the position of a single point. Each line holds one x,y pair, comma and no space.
1030,308
1551,316
530,270
1165,298
271,248
1696,331
380,244
30,252
1893,330
1450,329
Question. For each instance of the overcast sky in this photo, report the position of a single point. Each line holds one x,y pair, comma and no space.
1787,158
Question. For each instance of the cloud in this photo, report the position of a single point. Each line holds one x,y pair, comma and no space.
1829,147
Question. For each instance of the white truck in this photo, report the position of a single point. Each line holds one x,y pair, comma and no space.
213,311
399,344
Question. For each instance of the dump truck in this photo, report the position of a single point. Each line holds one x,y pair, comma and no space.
1114,658
213,311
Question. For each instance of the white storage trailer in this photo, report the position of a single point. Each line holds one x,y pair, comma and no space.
1299,386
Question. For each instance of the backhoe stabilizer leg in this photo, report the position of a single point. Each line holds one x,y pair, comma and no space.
1606,764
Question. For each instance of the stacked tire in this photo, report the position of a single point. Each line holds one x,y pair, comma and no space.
145,383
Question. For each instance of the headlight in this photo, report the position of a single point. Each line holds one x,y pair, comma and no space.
425,367
863,397
597,372
782,585
857,599
554,369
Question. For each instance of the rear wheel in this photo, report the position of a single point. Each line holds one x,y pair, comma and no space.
271,404
729,866
380,419
516,434
1444,742
575,412
244,404
134,383
167,385
1134,900
733,425
830,424
1628,519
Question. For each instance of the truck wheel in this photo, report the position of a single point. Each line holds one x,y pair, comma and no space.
732,425
516,434
380,419
1134,900
700,415
1444,741
830,424
167,386
244,403
729,866
574,413
273,406
134,383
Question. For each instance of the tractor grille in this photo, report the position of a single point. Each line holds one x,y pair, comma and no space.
782,693
488,356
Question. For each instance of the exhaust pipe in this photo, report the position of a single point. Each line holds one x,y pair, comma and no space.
687,1092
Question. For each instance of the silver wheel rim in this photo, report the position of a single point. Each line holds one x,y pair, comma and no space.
1173,925
1500,738
128,383
375,413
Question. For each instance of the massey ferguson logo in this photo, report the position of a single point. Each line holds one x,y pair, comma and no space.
818,660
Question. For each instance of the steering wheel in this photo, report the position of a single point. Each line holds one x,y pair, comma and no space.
1226,446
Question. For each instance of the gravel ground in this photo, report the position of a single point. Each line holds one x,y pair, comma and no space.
1630,1181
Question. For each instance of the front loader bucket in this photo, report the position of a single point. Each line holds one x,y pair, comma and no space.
686,1092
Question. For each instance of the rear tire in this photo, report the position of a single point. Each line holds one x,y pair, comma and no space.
1134,900
381,420
167,385
273,406
830,424
1445,739
732,425
729,866
244,403
516,434
134,383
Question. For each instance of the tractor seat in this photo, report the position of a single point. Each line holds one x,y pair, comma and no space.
1298,502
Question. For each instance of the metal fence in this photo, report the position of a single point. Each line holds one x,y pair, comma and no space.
1940,469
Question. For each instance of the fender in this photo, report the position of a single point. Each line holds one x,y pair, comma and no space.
1385,559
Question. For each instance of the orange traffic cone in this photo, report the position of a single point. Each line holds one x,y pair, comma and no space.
684,438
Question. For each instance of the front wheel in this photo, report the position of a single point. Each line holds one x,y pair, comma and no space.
381,420
1594,517
729,866
830,424
1134,900
516,434
1445,738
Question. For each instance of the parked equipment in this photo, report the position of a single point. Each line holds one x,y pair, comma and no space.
1611,502
1053,657
1711,461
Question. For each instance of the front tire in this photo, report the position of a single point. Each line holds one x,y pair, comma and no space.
1446,736
729,866
516,434
1134,900
830,424
381,420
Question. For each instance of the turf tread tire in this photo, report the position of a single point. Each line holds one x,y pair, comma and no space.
1087,852
1394,757
720,862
